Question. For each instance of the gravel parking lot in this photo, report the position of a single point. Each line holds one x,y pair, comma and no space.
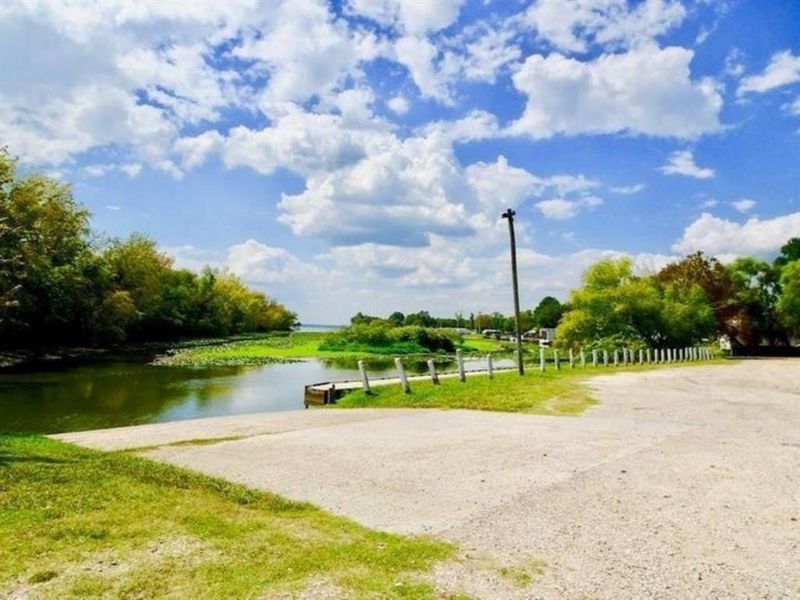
680,483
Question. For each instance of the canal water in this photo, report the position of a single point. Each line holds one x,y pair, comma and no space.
118,391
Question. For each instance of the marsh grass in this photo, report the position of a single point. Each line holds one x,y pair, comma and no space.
295,346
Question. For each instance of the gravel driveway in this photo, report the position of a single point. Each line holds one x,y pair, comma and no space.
681,483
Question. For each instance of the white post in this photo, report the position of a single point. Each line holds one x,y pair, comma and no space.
571,359
641,356
648,355
489,366
583,358
625,356
616,357
402,372
541,359
594,358
555,359
460,360
434,374
605,358
364,378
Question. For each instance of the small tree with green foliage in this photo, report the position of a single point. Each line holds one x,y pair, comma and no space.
548,312
789,300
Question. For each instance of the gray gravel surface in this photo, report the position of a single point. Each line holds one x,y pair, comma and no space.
681,483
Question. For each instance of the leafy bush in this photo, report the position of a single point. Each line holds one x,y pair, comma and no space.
382,337
630,340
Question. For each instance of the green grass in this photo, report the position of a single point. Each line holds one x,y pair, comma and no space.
76,523
477,343
276,348
552,392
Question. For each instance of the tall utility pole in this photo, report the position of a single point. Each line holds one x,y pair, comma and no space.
509,214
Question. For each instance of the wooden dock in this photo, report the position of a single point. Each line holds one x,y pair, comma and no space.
329,391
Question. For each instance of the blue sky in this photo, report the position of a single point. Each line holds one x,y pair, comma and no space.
356,155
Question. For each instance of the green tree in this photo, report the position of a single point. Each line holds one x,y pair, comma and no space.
789,300
790,252
47,261
396,318
716,282
138,267
483,321
420,319
755,293
548,312
360,318
56,287
612,303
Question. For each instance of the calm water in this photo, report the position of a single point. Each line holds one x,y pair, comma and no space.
117,392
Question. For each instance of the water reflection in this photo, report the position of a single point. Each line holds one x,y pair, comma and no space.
121,392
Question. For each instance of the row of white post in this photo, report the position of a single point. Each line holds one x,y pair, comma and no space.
627,356
622,357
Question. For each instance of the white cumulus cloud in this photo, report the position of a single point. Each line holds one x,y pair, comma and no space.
647,90
723,237
575,25
561,208
398,105
681,162
744,205
783,69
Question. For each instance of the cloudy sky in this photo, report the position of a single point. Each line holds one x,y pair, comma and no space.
357,154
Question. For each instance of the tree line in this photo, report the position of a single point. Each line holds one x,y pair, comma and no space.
546,314
61,285
751,302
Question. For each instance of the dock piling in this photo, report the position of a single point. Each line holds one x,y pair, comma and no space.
402,373
434,374
364,379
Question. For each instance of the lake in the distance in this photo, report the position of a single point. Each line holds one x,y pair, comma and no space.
114,392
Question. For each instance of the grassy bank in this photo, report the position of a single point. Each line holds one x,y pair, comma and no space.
76,523
549,393
298,345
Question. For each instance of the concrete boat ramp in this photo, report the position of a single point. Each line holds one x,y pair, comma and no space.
680,483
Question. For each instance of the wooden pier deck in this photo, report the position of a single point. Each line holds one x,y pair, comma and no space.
327,392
